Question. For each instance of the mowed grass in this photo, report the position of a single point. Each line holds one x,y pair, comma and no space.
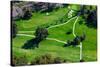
38,19
56,48
46,47
71,54
60,31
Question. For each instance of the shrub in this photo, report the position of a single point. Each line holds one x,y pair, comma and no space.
75,41
19,60
58,60
44,59
41,33
47,59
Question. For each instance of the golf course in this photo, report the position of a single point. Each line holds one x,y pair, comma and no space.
61,27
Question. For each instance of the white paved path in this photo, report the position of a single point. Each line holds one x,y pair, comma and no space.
46,38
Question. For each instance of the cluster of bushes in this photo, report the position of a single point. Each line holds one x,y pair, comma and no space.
47,59
18,60
43,59
75,41
89,13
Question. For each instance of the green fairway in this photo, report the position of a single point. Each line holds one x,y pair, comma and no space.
40,19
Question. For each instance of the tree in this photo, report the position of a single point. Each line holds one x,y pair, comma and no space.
41,33
13,29
92,19
89,13
27,13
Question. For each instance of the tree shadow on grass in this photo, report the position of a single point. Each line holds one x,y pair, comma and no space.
31,44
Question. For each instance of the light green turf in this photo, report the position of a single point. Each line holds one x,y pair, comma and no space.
41,18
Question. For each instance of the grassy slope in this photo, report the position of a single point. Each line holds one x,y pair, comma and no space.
47,46
53,47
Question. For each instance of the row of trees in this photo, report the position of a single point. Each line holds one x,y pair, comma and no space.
89,13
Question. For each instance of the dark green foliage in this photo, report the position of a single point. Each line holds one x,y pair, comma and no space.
32,43
47,59
75,41
89,13
19,60
41,33
27,13
13,29
92,19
